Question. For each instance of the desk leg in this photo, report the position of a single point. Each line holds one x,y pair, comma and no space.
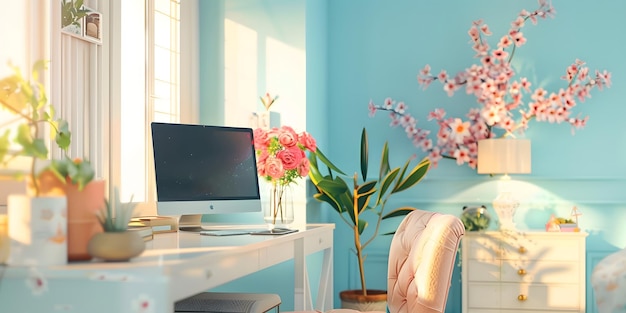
303,301
302,293
325,292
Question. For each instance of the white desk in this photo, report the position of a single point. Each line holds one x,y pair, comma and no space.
173,267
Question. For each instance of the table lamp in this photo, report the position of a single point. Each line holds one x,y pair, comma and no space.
504,156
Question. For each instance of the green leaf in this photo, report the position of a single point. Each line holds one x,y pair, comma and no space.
414,177
63,136
364,154
399,212
362,226
364,194
4,145
31,147
384,161
327,162
386,182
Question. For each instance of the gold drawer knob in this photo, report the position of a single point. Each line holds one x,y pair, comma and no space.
522,298
521,272
522,250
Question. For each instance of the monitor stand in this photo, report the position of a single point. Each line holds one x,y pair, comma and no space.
192,222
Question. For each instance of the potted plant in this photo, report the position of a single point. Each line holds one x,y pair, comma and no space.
74,178
45,216
116,243
352,201
71,13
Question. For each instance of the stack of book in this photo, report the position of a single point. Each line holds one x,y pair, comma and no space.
158,224
147,226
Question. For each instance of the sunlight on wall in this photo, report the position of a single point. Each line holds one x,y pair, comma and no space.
241,64
285,75
253,65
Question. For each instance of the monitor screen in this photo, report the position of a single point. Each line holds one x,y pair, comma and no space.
203,169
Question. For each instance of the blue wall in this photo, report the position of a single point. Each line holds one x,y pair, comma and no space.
376,49
359,50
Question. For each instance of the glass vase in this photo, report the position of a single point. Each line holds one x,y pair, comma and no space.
278,207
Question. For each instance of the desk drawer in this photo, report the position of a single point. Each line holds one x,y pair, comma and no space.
276,254
318,242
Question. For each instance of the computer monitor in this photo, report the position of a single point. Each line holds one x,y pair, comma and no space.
203,169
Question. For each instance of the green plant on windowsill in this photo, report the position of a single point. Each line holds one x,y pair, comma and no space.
27,100
71,12
116,215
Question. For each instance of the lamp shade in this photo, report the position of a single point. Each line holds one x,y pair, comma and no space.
503,156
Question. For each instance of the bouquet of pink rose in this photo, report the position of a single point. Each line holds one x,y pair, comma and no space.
281,154
281,160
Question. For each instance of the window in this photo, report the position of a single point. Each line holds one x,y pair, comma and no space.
157,100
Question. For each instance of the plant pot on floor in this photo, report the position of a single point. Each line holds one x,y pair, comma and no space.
375,300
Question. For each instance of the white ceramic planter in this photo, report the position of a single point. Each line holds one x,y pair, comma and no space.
37,230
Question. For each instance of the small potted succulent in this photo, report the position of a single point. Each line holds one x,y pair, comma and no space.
116,243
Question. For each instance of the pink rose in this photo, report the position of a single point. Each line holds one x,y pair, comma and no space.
308,141
287,137
303,167
261,139
291,157
260,162
274,168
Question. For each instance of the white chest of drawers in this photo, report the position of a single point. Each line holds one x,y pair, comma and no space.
525,272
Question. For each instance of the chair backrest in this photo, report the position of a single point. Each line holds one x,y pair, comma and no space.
421,261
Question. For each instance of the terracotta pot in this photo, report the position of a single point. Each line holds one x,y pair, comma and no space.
82,206
376,300
116,246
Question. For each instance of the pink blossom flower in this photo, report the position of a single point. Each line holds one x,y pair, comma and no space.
506,104
460,129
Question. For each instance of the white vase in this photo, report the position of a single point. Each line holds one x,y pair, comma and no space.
37,230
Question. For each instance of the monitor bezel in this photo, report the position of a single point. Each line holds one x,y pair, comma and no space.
201,207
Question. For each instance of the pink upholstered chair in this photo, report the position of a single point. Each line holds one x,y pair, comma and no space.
421,261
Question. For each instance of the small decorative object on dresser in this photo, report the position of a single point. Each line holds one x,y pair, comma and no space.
523,272
475,218
116,243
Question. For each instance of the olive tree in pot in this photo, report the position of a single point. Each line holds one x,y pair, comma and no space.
353,200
